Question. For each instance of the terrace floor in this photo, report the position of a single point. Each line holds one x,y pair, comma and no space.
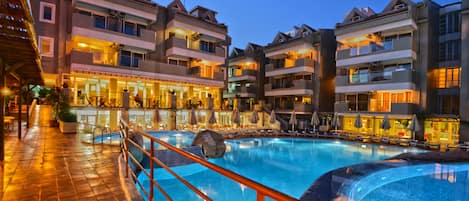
49,165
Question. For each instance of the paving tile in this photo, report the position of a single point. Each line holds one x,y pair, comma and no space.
48,165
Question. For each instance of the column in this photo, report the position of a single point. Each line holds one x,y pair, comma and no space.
113,91
75,90
156,94
113,119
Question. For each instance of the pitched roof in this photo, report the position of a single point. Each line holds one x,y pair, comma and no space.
236,51
362,12
281,37
255,46
393,3
177,5
202,8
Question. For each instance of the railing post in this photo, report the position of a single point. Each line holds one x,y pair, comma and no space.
152,155
92,135
126,152
259,196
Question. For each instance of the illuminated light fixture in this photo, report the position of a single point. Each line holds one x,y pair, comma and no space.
82,45
6,91
179,32
303,51
204,62
248,63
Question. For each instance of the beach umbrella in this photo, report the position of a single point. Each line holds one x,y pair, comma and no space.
414,126
293,120
193,120
254,117
235,117
156,117
315,121
213,118
358,122
335,121
273,119
385,124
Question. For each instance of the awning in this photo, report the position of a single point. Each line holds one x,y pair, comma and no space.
18,47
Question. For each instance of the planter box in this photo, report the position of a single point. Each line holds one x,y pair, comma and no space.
68,127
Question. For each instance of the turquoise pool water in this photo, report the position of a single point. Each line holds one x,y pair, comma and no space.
442,182
287,164
176,138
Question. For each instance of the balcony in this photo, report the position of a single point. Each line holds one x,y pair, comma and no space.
363,107
243,75
83,61
389,50
83,25
296,87
303,65
398,20
375,81
298,107
179,47
243,92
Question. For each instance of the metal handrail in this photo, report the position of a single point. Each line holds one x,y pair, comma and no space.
262,191
103,129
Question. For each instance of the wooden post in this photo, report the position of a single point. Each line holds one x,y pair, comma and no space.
27,105
20,105
2,110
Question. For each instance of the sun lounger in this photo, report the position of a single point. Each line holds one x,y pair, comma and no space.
433,145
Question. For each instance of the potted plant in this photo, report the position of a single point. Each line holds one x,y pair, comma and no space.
67,120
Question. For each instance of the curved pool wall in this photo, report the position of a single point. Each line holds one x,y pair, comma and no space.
434,176
289,165
443,182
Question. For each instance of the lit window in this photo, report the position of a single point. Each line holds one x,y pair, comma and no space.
47,12
448,77
46,46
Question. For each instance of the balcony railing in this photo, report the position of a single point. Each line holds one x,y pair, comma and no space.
243,72
145,66
365,106
182,43
375,78
374,48
88,22
298,63
290,106
295,84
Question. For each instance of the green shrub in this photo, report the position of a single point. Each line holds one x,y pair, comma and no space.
68,117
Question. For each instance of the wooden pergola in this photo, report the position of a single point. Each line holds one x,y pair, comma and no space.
19,55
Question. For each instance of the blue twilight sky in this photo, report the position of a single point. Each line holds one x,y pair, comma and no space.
258,21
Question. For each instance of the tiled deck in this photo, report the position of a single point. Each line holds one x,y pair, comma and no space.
48,165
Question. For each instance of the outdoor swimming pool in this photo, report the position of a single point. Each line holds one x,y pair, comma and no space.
443,182
289,165
175,138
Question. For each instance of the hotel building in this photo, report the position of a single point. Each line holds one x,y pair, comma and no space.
102,47
402,61
245,77
300,70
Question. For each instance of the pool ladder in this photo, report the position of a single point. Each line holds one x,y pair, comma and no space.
103,130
